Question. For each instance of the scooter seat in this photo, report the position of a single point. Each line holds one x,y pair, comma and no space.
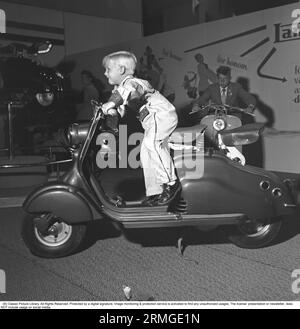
187,135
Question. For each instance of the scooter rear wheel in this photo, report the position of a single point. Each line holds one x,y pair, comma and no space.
254,234
59,240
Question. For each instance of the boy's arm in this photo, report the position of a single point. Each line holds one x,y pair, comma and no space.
131,94
114,101
109,108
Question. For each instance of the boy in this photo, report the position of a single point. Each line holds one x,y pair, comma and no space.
158,118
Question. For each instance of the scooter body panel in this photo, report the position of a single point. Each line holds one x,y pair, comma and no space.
230,120
223,186
61,200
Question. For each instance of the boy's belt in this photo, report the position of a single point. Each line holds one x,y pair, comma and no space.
142,114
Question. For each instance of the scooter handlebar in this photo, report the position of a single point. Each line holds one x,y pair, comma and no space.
217,107
235,108
97,108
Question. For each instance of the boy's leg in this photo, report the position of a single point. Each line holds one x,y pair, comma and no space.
167,161
166,124
155,157
152,184
156,172
149,158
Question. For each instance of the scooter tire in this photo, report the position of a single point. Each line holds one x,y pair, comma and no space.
44,246
262,238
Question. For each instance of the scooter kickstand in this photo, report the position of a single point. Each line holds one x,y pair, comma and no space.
180,245
180,242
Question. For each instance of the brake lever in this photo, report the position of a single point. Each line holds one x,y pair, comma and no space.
97,108
252,114
201,108
238,109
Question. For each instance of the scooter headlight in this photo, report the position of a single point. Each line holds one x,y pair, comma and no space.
219,124
77,133
45,99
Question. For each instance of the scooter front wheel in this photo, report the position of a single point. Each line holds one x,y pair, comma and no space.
254,234
58,240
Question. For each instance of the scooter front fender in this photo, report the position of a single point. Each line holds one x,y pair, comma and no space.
63,201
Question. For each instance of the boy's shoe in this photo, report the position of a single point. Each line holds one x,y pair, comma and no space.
149,201
168,193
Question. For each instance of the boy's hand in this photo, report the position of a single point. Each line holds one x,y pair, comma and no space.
112,112
107,107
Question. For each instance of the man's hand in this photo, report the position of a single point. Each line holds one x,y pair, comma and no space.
196,108
250,109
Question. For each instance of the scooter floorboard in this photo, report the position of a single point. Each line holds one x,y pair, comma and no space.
127,186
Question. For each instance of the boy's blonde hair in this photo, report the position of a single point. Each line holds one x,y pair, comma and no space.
123,58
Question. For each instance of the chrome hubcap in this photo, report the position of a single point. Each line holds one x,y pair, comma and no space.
57,234
254,228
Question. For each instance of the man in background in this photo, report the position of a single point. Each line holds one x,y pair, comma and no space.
225,92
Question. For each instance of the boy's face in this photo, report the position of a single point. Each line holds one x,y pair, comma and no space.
113,72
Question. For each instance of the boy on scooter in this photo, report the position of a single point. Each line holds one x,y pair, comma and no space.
158,118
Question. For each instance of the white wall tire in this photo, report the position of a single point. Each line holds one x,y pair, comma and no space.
60,240
255,234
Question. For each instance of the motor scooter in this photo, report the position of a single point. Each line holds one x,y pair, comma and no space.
248,202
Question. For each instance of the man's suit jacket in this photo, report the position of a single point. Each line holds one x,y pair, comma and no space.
235,93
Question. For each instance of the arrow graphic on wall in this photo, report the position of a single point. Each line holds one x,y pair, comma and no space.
262,42
265,60
259,44
257,29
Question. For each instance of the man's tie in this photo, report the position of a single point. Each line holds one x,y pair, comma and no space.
223,95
